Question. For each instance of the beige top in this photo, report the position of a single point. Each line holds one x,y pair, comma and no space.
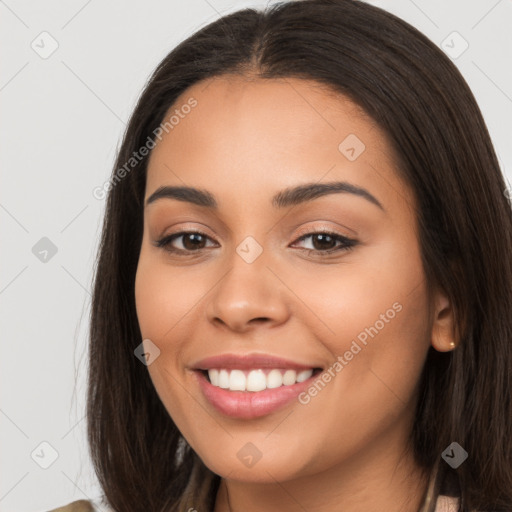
444,504
76,506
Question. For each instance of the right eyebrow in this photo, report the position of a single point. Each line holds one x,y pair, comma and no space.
188,194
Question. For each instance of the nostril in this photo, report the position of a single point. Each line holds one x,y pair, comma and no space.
260,319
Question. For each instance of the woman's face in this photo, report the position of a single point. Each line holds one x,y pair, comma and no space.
258,281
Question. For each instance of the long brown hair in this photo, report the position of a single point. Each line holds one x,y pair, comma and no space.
444,153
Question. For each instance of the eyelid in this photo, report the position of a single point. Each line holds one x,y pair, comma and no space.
321,228
161,240
197,228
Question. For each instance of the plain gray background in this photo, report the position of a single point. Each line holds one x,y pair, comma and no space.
63,116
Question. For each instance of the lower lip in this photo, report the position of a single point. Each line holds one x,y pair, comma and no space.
248,404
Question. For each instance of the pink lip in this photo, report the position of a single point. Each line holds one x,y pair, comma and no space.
249,361
247,404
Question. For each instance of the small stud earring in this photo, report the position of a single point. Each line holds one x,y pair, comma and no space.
452,344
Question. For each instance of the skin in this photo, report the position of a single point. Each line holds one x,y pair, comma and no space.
246,140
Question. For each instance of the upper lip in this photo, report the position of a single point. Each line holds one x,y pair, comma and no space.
249,361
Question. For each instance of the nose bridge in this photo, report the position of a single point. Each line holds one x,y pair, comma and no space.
248,291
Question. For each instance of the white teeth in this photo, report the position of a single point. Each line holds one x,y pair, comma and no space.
223,379
237,380
256,380
289,377
304,375
274,379
214,377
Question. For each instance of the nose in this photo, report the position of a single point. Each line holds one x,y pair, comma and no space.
247,295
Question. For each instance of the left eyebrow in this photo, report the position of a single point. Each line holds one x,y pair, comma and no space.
309,191
287,197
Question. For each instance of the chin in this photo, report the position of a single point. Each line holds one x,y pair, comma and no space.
267,469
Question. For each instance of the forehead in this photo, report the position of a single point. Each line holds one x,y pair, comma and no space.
265,134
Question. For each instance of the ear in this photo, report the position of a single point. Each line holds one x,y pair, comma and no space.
443,325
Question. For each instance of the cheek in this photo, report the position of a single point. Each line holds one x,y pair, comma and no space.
168,299
165,295
378,293
372,313
162,301
379,344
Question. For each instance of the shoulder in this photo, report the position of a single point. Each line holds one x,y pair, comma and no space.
76,506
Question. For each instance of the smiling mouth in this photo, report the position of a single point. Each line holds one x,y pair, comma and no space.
258,379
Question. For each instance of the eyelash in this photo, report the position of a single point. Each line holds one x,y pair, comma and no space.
346,244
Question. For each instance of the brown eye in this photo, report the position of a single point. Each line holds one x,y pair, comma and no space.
183,242
323,242
193,241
